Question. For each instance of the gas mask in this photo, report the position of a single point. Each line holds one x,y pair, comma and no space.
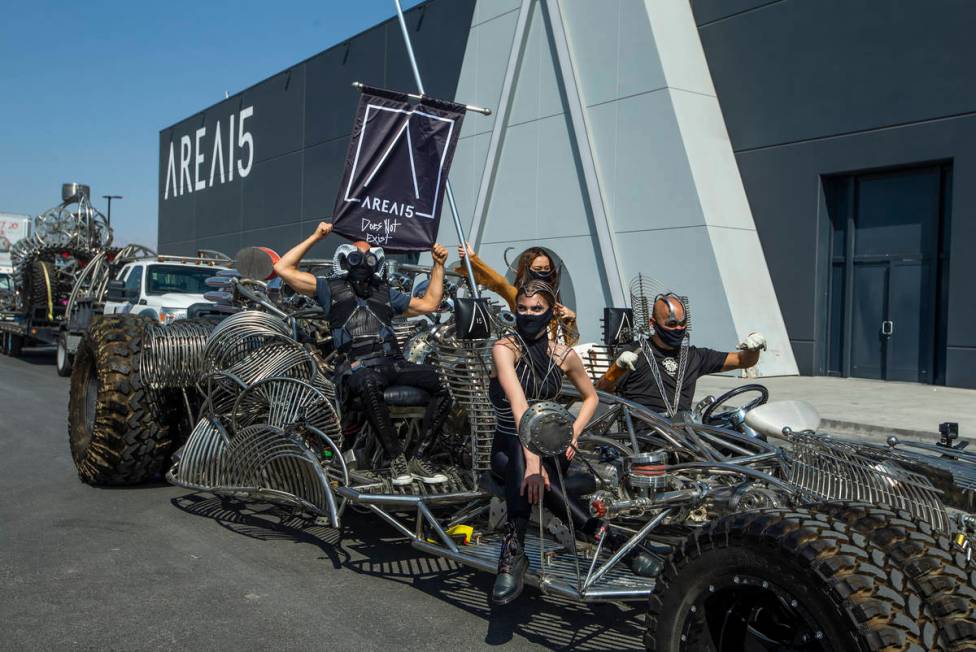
359,267
349,262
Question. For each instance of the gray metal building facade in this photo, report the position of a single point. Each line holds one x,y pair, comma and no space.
795,166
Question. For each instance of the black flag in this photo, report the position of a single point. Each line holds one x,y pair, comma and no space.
396,168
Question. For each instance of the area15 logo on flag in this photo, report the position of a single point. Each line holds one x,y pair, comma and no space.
396,168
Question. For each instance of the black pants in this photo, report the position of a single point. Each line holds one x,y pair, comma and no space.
508,462
368,384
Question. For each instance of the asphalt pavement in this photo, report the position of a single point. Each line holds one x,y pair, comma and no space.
158,567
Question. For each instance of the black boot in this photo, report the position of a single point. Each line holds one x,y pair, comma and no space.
512,565
639,562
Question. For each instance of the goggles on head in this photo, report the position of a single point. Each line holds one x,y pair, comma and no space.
348,256
672,320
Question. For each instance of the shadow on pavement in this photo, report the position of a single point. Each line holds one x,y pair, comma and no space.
263,522
544,620
365,548
42,356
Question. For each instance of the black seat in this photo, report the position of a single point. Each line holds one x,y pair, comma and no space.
405,396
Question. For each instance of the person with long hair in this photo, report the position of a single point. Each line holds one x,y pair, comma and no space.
528,366
535,263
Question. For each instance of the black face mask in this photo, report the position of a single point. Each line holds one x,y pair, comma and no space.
671,337
541,276
360,273
530,327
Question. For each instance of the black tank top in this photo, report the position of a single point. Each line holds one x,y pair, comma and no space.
540,377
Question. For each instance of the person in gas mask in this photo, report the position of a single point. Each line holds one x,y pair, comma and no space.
528,366
360,306
536,264
668,386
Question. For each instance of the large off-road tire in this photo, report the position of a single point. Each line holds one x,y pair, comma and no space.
115,427
63,359
937,569
43,284
780,579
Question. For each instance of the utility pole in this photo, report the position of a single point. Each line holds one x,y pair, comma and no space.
108,217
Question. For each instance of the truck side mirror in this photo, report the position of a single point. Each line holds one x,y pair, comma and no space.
132,294
115,291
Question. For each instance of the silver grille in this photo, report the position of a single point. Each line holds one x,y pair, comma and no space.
465,367
828,470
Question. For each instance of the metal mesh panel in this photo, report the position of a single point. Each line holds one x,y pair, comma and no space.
464,366
829,470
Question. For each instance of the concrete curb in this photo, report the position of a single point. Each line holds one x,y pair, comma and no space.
874,431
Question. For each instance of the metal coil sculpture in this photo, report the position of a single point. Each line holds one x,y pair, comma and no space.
288,466
284,402
172,355
241,333
282,357
464,366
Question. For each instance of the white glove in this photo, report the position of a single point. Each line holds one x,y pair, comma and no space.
754,342
627,360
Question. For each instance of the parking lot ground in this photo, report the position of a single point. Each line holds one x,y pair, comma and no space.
866,408
158,567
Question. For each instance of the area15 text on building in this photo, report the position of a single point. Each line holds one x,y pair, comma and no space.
240,148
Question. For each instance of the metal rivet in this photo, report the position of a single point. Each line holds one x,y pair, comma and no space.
765,584
694,609
793,603
683,638
818,635
711,588
736,579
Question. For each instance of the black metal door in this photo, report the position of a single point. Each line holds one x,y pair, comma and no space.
887,231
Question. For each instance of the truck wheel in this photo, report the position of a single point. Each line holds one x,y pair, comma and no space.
15,345
64,359
780,579
115,426
937,570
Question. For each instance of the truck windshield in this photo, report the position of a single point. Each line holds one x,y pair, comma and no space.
163,279
5,282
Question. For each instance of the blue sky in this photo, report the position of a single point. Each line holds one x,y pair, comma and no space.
85,87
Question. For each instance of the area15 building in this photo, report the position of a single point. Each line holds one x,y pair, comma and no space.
793,167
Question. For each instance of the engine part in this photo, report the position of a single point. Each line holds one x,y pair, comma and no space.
546,429
647,472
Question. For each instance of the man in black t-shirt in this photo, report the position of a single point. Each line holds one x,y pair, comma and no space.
678,364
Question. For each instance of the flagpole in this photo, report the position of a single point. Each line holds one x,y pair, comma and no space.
450,193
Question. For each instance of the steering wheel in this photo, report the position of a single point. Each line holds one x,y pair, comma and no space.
732,393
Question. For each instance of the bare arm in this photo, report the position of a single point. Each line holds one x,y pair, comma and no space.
574,369
740,360
287,266
488,277
503,356
431,300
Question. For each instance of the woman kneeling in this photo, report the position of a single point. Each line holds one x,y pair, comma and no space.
528,366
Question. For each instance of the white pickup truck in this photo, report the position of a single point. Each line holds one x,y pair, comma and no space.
161,288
